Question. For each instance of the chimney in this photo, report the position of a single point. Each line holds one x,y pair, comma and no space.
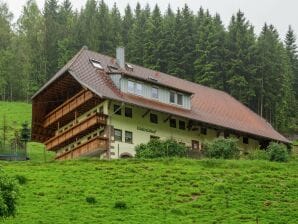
120,56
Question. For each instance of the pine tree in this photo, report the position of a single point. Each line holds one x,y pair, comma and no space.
210,52
51,20
293,56
66,44
5,43
104,23
153,47
126,27
87,26
116,32
292,53
240,66
31,39
273,78
137,35
185,44
168,53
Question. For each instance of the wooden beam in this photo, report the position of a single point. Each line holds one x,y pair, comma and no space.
147,112
168,118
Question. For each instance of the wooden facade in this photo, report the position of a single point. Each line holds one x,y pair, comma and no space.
56,122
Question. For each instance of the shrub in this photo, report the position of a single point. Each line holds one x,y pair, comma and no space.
21,179
8,196
277,152
158,149
225,148
91,200
120,205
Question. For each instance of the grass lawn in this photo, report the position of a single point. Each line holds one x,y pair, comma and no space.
154,191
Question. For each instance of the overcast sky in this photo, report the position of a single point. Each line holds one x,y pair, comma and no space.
280,13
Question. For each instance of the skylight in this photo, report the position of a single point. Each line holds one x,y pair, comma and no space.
152,79
96,64
129,66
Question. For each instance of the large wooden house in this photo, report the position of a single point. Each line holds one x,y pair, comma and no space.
97,105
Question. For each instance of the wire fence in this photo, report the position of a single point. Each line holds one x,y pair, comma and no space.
13,142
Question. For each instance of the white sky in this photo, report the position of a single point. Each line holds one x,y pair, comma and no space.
280,13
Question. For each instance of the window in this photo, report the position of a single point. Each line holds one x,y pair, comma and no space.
195,145
226,134
117,109
139,89
118,135
182,125
128,136
245,140
179,99
128,112
172,97
153,118
101,110
96,64
203,131
154,92
173,123
130,86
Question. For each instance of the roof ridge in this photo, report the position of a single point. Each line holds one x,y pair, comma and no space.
163,73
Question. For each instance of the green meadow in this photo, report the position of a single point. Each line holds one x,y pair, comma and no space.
151,191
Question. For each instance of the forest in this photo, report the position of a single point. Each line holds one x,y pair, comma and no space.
260,70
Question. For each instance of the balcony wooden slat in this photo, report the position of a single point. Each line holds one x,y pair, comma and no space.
77,129
67,107
98,144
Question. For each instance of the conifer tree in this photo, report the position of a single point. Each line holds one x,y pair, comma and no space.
240,66
152,50
51,24
210,52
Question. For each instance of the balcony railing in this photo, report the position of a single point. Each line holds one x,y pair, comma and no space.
94,146
67,107
76,130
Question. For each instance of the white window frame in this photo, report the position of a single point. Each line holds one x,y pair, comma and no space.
152,93
181,99
132,90
174,97
136,88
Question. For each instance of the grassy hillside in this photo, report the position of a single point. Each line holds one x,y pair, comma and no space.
157,191
165,191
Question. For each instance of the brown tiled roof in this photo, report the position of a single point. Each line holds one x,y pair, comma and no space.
208,105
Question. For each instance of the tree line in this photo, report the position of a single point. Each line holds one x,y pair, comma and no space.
261,70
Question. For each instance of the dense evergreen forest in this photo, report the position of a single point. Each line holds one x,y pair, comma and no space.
259,70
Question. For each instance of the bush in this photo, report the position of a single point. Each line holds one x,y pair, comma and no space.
120,205
8,196
21,179
91,200
159,149
277,152
225,148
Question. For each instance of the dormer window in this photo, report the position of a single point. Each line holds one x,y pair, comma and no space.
179,99
154,92
172,97
96,64
130,86
139,89
129,67
134,87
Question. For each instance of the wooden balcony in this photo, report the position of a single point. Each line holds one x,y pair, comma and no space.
78,130
94,146
67,107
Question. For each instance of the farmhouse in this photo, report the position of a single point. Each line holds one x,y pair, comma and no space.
97,105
